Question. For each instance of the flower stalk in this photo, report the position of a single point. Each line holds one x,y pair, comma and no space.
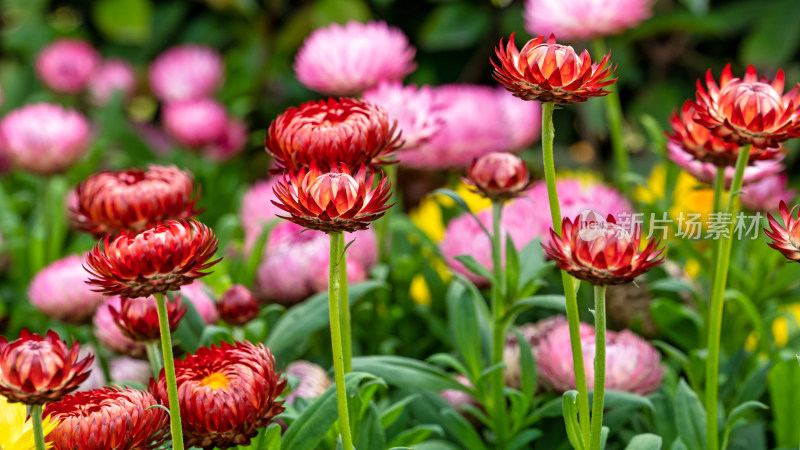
599,366
169,372
721,264
336,340
498,335
38,431
344,306
154,357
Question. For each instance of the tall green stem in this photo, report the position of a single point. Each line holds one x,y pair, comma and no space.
344,307
169,372
498,335
153,355
548,134
622,161
717,301
336,341
599,366
38,432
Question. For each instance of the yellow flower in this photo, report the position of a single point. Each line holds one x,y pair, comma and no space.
16,433
780,328
419,290
689,196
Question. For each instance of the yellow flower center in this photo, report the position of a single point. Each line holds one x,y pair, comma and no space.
215,381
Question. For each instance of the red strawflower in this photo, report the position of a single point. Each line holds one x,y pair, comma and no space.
698,141
602,252
499,176
333,132
786,238
36,370
160,259
550,72
226,394
237,306
333,201
130,200
107,418
749,110
138,317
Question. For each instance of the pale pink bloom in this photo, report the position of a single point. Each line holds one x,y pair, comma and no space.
44,138
291,249
706,172
125,369
230,143
186,72
349,59
110,335
115,75
416,110
581,20
313,380
632,364
458,399
67,65
525,219
195,123
534,333
475,120
198,294
96,378
765,195
60,291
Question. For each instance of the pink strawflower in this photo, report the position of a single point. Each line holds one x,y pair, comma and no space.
583,20
632,364
313,380
534,333
291,249
125,369
417,110
67,65
230,143
349,59
257,209
115,75
195,123
186,72
60,291
765,195
476,120
197,293
44,138
705,172
525,219
458,399
110,335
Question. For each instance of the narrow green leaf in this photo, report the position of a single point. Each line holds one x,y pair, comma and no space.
413,436
462,204
569,405
475,267
527,364
690,418
462,430
407,372
645,441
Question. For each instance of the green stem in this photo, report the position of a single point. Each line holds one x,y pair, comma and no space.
344,307
154,356
719,195
169,373
336,342
498,335
717,302
599,366
622,160
38,432
548,134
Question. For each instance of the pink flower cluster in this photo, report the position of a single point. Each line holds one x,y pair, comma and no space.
580,20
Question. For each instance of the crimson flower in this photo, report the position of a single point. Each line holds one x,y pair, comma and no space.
138,317
749,110
334,201
602,252
786,238
550,72
110,202
160,259
499,175
36,370
226,394
333,132
107,418
238,305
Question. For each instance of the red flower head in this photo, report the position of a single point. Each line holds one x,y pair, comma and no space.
785,239
749,111
226,394
602,252
550,72
160,259
698,141
499,175
107,418
237,306
138,317
130,200
36,370
333,201
330,133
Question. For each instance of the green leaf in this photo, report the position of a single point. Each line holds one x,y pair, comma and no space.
124,21
415,435
775,37
462,204
569,406
737,414
527,364
645,441
463,321
620,399
392,413
531,262
460,428
549,301
677,321
407,372
512,284
524,439
214,334
190,329
370,433
682,359
475,267
453,26
783,380
690,418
